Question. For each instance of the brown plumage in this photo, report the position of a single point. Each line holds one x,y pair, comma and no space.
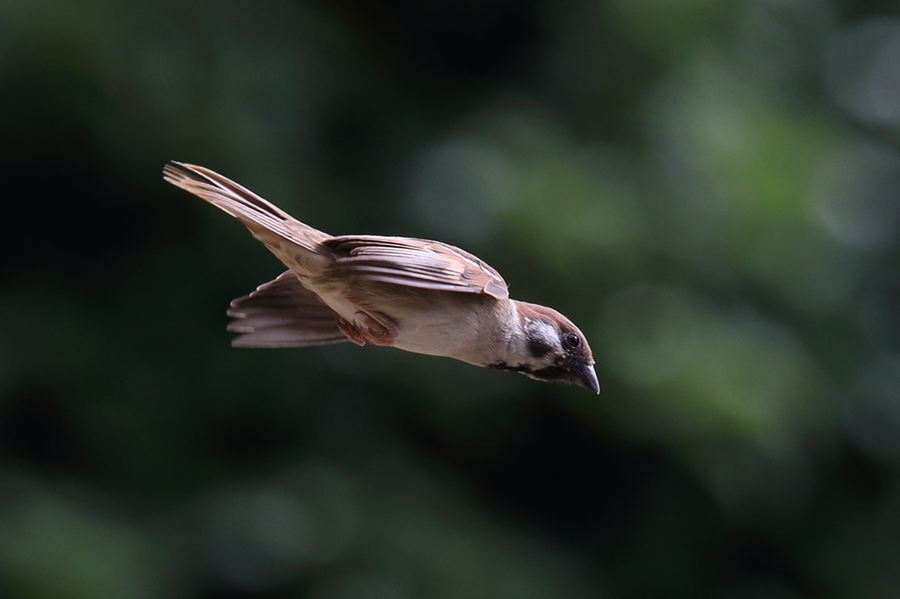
414,294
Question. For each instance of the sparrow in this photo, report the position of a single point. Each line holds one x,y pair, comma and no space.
417,295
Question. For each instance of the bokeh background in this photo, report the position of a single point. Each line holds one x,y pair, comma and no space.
711,190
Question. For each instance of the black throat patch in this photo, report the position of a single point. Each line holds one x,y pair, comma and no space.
555,373
505,366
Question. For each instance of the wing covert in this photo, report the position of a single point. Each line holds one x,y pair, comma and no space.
416,263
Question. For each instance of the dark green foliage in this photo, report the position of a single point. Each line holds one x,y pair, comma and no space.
710,190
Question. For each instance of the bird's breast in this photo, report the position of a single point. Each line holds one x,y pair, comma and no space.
449,331
437,323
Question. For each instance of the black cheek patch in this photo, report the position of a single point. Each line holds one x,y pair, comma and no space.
538,347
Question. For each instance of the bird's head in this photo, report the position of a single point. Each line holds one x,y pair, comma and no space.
551,348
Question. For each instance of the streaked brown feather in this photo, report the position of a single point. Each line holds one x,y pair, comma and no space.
257,214
415,263
283,313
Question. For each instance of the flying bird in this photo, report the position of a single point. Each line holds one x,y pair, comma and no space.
417,295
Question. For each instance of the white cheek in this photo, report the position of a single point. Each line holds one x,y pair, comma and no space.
548,335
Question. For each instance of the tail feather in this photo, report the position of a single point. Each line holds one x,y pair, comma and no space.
267,222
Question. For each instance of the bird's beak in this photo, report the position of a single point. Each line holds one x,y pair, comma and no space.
586,377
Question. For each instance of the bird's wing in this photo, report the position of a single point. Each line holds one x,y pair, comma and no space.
283,313
268,223
415,263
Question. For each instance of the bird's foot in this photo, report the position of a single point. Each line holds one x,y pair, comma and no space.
374,328
351,332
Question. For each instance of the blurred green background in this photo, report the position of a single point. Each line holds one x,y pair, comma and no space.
711,190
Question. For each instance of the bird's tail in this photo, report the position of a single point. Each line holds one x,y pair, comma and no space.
296,244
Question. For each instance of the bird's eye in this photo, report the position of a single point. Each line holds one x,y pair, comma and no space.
572,340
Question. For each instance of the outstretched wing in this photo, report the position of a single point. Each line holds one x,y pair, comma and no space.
283,313
415,263
294,243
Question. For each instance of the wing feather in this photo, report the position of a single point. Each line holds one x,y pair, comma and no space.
283,313
416,263
265,220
